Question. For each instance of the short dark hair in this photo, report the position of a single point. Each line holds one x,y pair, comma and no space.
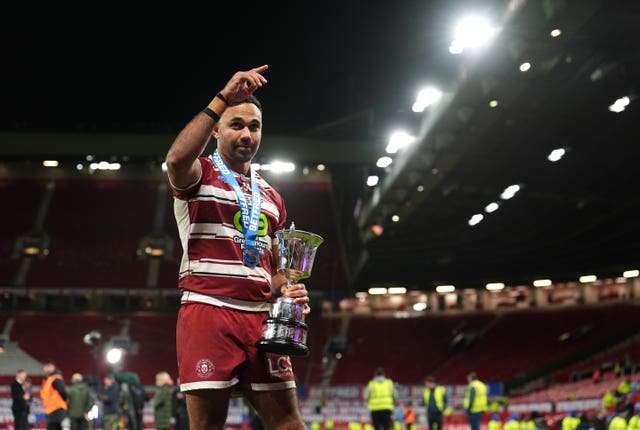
251,99
472,376
430,378
49,361
379,371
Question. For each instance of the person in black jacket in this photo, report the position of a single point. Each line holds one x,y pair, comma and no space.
20,401
109,395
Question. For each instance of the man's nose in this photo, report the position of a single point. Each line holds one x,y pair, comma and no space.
245,133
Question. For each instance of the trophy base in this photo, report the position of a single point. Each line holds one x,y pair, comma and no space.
283,347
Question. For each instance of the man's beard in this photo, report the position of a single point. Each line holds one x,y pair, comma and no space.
243,157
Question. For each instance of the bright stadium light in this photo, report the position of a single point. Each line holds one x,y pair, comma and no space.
509,192
50,163
471,32
420,306
631,273
443,289
384,162
585,279
491,207
542,283
399,140
377,291
556,154
555,32
494,286
525,67
426,97
372,180
114,355
620,104
475,219
278,167
397,290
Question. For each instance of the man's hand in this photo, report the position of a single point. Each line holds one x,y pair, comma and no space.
298,292
243,84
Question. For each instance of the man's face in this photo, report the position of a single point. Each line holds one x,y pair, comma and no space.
21,376
430,384
48,369
239,133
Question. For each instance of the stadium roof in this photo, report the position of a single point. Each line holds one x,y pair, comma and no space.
343,76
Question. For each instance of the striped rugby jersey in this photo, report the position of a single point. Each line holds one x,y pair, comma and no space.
208,219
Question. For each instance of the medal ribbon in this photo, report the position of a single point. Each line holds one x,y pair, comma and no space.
250,220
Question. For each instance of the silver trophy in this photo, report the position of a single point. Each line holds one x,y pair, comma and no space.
284,331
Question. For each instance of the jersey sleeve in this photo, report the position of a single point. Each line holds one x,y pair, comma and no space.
191,190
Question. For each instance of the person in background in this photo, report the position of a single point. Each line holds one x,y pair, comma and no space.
512,422
409,416
595,377
80,401
380,395
435,402
162,401
494,423
109,395
475,400
609,401
634,421
398,418
20,401
528,423
571,421
54,396
617,421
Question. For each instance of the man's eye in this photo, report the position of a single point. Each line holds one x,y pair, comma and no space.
254,127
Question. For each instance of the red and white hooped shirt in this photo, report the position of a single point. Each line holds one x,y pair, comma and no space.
208,219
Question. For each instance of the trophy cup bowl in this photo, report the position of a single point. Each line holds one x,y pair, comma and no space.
284,332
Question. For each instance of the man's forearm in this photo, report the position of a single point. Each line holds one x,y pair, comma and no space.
190,143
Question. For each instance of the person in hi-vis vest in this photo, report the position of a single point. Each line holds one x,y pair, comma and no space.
54,396
475,400
380,395
435,402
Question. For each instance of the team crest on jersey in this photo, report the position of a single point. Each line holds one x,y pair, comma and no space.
204,367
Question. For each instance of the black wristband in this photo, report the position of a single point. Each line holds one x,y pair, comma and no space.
221,97
214,116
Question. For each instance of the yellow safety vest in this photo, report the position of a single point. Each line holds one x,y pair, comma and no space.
570,423
511,425
618,423
353,425
380,395
634,423
493,425
609,400
480,398
438,395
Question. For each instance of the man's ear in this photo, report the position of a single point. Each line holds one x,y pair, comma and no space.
215,131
